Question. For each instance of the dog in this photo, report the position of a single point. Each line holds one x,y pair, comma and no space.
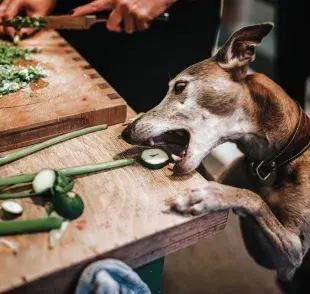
216,101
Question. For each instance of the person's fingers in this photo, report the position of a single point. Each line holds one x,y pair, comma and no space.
142,20
3,7
116,18
25,32
142,25
129,23
13,8
93,7
10,31
1,29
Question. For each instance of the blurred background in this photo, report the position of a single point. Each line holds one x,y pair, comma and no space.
221,264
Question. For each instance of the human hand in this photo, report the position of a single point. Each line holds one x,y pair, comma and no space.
131,14
33,8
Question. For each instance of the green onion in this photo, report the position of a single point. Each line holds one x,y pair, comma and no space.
54,182
71,171
29,226
19,195
34,148
86,169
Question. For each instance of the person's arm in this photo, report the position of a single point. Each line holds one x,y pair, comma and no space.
132,14
34,8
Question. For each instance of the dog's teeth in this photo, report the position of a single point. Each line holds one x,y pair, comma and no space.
151,141
179,133
175,157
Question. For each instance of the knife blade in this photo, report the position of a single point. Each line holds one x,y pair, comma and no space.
65,22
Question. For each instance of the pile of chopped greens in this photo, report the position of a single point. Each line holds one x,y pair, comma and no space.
9,54
27,22
14,78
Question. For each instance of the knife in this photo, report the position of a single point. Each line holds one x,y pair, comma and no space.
65,22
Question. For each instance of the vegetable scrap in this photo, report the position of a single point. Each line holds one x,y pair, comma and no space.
56,234
29,226
37,147
12,245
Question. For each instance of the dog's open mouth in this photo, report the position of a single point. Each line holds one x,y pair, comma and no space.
175,142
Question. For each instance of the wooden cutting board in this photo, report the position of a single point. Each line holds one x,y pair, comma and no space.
73,96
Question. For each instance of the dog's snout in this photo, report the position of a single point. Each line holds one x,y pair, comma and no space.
128,132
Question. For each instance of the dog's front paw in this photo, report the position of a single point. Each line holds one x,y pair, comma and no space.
199,201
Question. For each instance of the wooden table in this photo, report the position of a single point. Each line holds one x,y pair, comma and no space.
126,217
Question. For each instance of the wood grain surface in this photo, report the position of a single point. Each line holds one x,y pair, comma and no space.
125,216
76,96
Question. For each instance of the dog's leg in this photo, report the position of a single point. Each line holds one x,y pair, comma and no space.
217,197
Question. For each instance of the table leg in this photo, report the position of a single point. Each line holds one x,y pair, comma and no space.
152,275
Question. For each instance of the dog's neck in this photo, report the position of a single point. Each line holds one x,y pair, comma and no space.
274,115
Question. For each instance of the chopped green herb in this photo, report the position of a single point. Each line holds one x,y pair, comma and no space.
9,54
27,22
14,78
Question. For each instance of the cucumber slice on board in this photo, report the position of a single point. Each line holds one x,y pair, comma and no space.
12,207
154,158
69,205
48,179
44,180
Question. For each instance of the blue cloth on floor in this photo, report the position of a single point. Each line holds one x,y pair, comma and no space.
110,276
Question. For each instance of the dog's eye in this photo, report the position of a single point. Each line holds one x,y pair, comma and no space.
179,87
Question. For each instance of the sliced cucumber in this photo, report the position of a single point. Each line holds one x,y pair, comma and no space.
69,205
12,207
48,179
154,158
44,180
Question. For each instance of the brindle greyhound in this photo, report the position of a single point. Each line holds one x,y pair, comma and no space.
215,101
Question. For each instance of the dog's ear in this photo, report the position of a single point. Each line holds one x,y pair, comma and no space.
239,50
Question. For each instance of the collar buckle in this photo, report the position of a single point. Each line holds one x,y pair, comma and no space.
258,172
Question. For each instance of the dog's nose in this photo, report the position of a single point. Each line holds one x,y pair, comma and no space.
129,133
126,134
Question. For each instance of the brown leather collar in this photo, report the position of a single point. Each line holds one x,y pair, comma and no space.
295,147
